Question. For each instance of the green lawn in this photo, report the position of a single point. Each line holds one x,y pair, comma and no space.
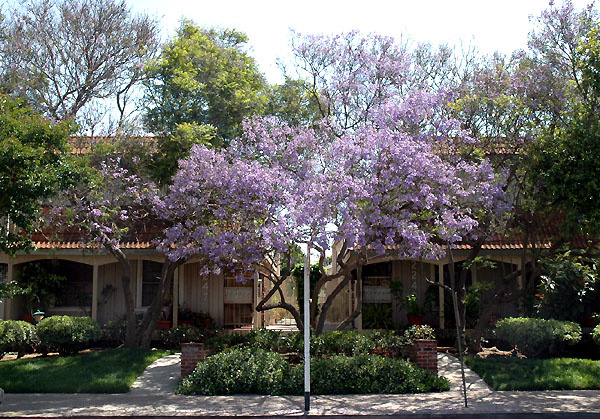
110,371
538,374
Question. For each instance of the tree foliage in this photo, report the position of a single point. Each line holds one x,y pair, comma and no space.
204,76
32,167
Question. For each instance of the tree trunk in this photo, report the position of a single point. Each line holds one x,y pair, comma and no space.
151,317
130,334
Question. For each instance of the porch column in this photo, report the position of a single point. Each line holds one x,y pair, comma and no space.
359,325
95,292
176,296
181,292
520,286
257,288
441,296
138,283
520,282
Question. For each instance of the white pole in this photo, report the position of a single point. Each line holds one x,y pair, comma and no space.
307,330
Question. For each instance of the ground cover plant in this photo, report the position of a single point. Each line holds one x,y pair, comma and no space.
110,371
538,374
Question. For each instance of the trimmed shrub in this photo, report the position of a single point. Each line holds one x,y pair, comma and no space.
174,337
269,340
341,343
221,341
387,343
596,335
537,337
348,342
256,371
17,336
67,335
366,374
240,371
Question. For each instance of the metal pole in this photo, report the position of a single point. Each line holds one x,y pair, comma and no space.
307,330
459,337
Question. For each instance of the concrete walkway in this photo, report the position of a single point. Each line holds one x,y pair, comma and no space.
152,395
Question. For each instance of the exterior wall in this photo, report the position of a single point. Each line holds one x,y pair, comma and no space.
202,292
496,276
111,304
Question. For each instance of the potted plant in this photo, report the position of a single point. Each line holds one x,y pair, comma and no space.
186,317
414,311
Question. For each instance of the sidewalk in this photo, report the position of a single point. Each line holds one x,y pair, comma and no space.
152,395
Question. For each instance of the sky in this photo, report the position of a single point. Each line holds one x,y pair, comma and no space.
489,25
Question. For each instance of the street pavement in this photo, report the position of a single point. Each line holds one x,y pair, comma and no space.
152,395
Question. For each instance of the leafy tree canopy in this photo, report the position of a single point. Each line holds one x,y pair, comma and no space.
204,76
32,166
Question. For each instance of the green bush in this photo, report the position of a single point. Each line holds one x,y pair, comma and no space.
269,340
17,336
240,371
174,337
348,342
596,335
222,341
537,337
365,374
256,371
340,343
113,333
67,335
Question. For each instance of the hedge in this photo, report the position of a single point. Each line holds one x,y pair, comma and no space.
67,335
17,336
257,371
537,337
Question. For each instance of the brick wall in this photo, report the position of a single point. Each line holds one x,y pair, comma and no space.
191,354
424,353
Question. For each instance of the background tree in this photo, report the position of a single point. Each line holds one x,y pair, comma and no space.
33,166
204,76
110,207
565,164
62,55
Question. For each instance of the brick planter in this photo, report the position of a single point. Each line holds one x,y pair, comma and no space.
191,354
423,352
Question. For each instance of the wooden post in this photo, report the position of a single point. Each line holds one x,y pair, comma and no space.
138,283
181,292
95,292
175,301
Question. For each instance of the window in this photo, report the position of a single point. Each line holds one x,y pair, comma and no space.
238,300
377,274
77,291
150,280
